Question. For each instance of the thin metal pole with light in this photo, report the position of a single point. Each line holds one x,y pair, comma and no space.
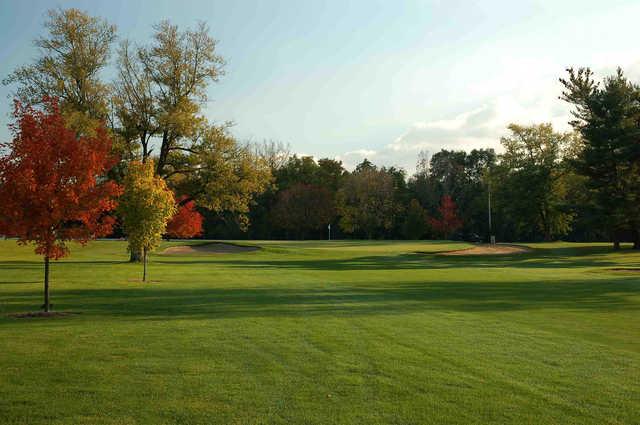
492,238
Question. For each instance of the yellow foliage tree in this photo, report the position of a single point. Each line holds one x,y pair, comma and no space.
73,52
146,206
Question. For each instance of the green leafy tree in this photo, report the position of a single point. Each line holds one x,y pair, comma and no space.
72,55
146,207
607,116
460,175
330,174
366,202
297,170
304,209
415,225
160,89
220,174
530,189
158,94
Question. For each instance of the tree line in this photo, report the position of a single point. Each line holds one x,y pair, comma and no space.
546,185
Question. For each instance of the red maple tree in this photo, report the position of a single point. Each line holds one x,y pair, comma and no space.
449,221
52,185
187,223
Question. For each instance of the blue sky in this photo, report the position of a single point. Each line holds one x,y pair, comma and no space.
382,79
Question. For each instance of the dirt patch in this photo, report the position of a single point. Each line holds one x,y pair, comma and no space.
498,249
210,248
37,314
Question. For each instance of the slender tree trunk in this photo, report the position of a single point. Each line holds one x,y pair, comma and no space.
164,148
46,284
145,146
144,267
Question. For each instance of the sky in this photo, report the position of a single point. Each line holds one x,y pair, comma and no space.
377,79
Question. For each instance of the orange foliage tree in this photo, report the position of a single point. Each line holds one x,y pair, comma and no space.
449,221
52,185
187,223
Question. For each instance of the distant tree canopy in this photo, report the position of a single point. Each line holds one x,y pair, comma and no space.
416,223
545,185
447,222
303,209
366,202
607,117
529,182
462,176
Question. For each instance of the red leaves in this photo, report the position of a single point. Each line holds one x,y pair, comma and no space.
449,221
51,182
187,223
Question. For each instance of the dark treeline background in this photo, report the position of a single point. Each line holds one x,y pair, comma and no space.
579,186
582,185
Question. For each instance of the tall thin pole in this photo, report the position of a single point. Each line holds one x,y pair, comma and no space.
490,229
492,238
329,227
144,267
47,306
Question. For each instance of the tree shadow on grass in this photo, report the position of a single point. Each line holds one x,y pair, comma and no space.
551,257
374,298
377,298
578,257
18,282
25,264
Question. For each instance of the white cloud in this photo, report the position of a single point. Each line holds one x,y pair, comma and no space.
483,126
480,127
361,152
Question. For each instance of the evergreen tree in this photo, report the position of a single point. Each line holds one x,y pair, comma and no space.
607,116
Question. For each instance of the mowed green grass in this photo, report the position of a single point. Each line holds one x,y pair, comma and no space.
324,333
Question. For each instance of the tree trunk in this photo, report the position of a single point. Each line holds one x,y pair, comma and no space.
135,257
616,244
636,238
145,146
164,148
144,267
46,284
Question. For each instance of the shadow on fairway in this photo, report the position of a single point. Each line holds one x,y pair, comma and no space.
18,282
572,257
373,298
376,298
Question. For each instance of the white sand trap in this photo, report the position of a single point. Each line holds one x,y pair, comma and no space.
210,248
499,249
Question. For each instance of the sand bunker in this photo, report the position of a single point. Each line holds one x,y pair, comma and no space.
499,249
210,248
